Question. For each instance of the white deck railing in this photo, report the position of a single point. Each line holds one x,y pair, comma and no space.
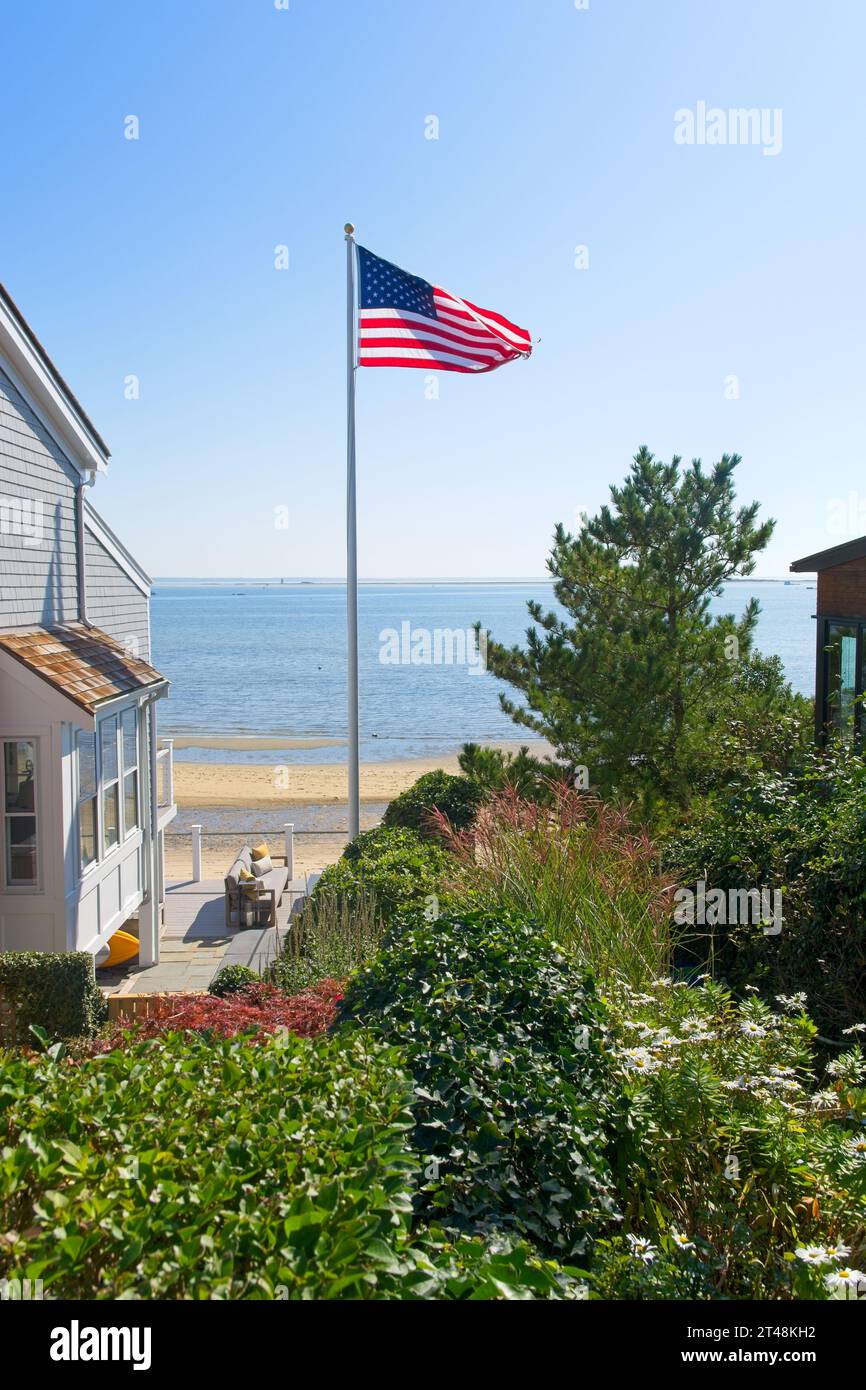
288,836
165,772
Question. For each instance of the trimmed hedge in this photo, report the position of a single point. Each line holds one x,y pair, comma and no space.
458,798
394,869
53,990
503,1035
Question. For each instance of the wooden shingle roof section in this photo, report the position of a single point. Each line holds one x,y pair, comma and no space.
83,663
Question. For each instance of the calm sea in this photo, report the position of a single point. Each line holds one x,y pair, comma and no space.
247,658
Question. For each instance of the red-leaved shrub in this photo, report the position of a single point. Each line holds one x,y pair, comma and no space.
259,1010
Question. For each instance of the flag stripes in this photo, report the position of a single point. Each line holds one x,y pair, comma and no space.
405,322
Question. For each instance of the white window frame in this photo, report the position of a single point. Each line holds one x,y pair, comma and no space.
105,786
23,889
129,830
83,869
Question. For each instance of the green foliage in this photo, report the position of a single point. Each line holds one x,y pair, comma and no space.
329,939
458,798
803,832
232,979
193,1168
581,870
624,684
395,868
726,1151
493,770
503,1038
620,1272
54,991
758,725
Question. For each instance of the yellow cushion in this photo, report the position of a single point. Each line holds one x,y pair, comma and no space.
260,851
244,876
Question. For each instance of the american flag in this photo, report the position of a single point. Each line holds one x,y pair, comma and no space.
405,322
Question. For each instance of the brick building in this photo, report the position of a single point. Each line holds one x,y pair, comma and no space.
840,659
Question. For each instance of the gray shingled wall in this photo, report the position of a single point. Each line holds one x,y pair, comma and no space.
38,571
114,603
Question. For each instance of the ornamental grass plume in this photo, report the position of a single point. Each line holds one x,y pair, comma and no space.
579,867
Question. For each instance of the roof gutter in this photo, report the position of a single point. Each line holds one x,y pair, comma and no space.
81,546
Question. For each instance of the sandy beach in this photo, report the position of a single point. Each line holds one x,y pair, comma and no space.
274,788
198,785
269,788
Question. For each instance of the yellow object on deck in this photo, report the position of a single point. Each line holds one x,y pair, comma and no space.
122,947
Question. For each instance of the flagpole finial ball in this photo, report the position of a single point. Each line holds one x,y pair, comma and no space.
349,229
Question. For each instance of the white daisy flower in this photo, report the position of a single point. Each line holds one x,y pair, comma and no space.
846,1279
811,1254
752,1029
857,1146
792,1003
638,1059
855,1028
837,1252
681,1241
642,1249
824,1100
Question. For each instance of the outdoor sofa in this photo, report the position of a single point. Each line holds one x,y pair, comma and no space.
253,901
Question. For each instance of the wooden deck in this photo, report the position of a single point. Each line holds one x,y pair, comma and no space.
195,942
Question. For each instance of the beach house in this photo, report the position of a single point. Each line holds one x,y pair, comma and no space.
86,785
840,658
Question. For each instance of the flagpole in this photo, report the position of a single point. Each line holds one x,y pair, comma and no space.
352,549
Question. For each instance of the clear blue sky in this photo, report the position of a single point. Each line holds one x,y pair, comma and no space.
260,127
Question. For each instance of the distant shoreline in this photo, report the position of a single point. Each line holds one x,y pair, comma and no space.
338,583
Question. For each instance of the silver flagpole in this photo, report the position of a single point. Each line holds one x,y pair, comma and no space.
352,552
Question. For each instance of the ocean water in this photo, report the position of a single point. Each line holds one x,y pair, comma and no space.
270,660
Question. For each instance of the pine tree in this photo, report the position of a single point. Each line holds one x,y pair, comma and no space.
627,683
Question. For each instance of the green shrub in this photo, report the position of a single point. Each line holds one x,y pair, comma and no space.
232,979
803,833
52,990
493,769
503,1037
395,868
729,1156
193,1168
458,798
210,1168
328,940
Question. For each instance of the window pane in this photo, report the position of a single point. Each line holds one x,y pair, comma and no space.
87,817
108,745
129,729
841,677
86,743
130,801
21,850
109,816
20,762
